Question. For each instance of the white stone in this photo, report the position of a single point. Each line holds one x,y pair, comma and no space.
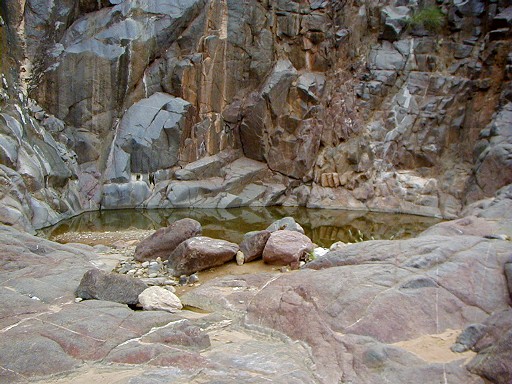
240,258
318,252
159,299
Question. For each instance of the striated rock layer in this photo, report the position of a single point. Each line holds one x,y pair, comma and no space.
225,103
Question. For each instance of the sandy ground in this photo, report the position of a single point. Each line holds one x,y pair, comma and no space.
435,348
108,238
91,374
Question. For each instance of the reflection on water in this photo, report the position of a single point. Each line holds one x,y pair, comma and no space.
323,226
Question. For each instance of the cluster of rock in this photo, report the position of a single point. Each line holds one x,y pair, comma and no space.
186,252
100,285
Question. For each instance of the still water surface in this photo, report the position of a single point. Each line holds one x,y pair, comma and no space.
323,226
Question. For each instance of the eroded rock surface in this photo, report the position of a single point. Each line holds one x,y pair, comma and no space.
351,304
40,318
362,313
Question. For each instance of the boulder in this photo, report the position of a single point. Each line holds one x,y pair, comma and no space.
165,240
148,138
287,223
199,253
209,166
493,361
253,244
286,247
468,338
395,21
159,299
386,57
100,285
503,19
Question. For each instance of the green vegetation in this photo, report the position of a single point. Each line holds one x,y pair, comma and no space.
431,18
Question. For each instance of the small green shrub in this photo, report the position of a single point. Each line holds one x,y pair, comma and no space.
431,18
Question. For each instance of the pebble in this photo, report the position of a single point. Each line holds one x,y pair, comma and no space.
497,237
78,299
337,245
126,268
183,280
100,248
319,252
192,279
152,272
240,258
158,281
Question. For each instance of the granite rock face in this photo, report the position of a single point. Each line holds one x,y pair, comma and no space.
213,103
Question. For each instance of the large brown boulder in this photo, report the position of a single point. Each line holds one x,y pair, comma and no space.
199,253
287,248
253,244
100,285
164,241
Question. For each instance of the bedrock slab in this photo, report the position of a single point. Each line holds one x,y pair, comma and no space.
352,306
370,312
93,340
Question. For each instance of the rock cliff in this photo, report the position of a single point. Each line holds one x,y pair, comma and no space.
380,105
